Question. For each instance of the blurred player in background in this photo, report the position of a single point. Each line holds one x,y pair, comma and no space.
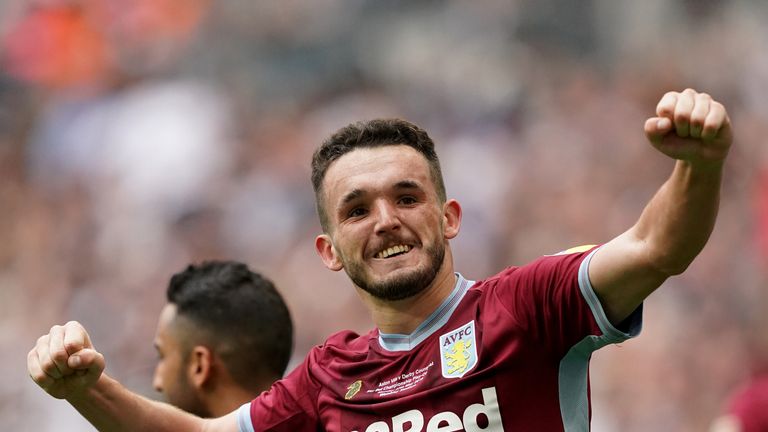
224,337
510,352
747,409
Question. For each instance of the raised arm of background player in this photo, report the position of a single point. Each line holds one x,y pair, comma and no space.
695,130
65,364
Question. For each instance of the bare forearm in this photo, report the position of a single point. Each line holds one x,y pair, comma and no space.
678,221
694,130
671,231
65,364
111,407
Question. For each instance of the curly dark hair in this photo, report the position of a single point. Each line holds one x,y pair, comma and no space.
373,133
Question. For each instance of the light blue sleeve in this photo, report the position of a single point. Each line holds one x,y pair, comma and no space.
244,418
573,377
633,324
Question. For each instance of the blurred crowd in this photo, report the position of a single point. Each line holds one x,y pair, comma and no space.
137,136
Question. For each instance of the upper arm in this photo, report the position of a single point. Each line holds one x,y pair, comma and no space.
228,423
622,275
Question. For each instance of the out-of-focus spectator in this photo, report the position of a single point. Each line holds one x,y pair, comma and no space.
58,46
747,409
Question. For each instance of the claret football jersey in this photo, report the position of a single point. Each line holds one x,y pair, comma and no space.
508,353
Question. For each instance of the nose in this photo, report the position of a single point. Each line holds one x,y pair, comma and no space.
157,381
386,217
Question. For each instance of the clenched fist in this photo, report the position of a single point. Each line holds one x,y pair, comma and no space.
690,126
64,363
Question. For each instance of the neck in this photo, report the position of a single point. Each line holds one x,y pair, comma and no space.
225,399
404,316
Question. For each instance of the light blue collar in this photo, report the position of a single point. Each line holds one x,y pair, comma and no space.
438,318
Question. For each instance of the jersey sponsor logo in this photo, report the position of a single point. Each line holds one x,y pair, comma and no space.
458,351
447,421
353,389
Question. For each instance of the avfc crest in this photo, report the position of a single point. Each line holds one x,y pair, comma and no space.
458,351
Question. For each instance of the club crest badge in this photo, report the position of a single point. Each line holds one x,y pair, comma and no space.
458,351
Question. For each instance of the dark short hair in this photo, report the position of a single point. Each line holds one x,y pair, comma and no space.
373,133
239,314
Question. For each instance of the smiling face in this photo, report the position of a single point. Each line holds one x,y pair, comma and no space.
387,227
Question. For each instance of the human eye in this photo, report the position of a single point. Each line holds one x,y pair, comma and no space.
356,212
407,200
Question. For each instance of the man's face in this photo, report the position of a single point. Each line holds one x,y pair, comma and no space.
171,377
387,226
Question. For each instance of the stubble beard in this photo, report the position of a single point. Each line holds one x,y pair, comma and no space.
404,285
185,397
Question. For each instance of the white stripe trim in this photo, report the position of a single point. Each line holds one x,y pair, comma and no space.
244,422
574,367
438,318
615,335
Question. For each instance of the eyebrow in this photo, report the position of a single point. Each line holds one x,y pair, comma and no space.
357,193
407,184
351,196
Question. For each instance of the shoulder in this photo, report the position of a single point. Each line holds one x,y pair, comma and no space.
569,259
547,270
343,345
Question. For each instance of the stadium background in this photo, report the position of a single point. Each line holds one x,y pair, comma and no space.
139,135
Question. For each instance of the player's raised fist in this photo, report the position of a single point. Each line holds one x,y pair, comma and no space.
690,126
63,362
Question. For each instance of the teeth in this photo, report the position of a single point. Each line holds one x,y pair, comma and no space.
393,250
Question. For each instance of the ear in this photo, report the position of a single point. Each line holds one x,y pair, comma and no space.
451,218
326,250
200,366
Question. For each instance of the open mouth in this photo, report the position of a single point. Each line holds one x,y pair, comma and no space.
393,251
